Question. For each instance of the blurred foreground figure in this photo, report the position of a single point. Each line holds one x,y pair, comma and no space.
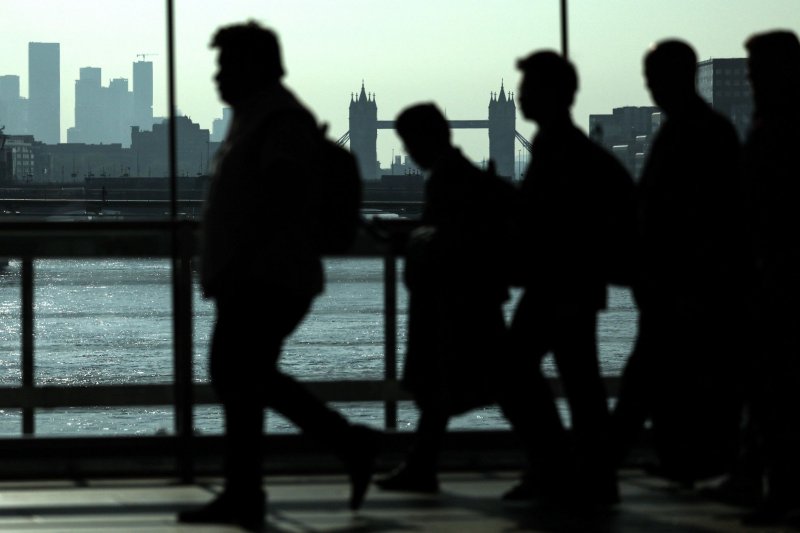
261,265
695,282
577,225
772,167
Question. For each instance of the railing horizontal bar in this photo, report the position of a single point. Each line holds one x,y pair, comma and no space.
51,397
88,227
56,396
135,239
56,202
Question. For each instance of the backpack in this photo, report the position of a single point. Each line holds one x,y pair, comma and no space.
338,193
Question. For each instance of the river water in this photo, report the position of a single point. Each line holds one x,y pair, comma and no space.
109,321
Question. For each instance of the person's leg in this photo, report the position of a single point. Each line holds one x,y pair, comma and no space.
633,400
527,401
775,409
418,472
234,367
355,445
575,353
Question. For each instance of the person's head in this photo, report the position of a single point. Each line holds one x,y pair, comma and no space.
249,59
548,86
425,133
670,69
774,68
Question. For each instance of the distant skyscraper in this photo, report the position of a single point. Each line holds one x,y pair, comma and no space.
88,107
143,94
118,112
13,108
219,128
723,83
102,114
44,91
9,87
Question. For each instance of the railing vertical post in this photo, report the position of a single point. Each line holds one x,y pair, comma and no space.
27,341
390,332
182,300
564,29
182,284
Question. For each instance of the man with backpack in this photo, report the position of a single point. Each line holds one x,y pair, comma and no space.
456,274
577,225
261,265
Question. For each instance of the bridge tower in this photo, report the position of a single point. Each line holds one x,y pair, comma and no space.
364,133
502,131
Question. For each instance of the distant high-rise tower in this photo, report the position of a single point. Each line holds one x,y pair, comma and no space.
88,108
118,112
44,91
723,83
220,126
143,94
102,114
364,133
9,87
13,108
502,132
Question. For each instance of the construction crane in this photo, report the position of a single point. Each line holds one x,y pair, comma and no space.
144,56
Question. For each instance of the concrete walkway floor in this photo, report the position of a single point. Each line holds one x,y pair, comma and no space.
469,502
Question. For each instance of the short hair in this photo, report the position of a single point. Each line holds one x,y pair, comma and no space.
674,59
423,121
556,70
251,40
775,55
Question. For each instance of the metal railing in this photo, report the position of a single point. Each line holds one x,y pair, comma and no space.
118,239
28,241
41,240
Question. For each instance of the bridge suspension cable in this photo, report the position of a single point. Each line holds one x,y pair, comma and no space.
343,139
525,142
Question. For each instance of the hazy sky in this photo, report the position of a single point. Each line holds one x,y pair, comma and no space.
454,52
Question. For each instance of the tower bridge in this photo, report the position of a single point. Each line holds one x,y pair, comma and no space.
501,125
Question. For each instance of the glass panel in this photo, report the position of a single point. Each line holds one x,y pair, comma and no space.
608,41
73,91
79,99
459,55
610,69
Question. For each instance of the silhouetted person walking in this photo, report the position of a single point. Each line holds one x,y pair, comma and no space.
577,209
694,287
262,268
772,169
456,276
454,264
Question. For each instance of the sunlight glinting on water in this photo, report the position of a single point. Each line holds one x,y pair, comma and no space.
109,322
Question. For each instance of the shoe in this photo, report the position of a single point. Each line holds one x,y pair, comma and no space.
360,462
245,511
404,479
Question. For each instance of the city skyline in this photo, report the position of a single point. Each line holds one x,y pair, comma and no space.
405,52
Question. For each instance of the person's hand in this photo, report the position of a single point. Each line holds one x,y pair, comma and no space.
422,234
